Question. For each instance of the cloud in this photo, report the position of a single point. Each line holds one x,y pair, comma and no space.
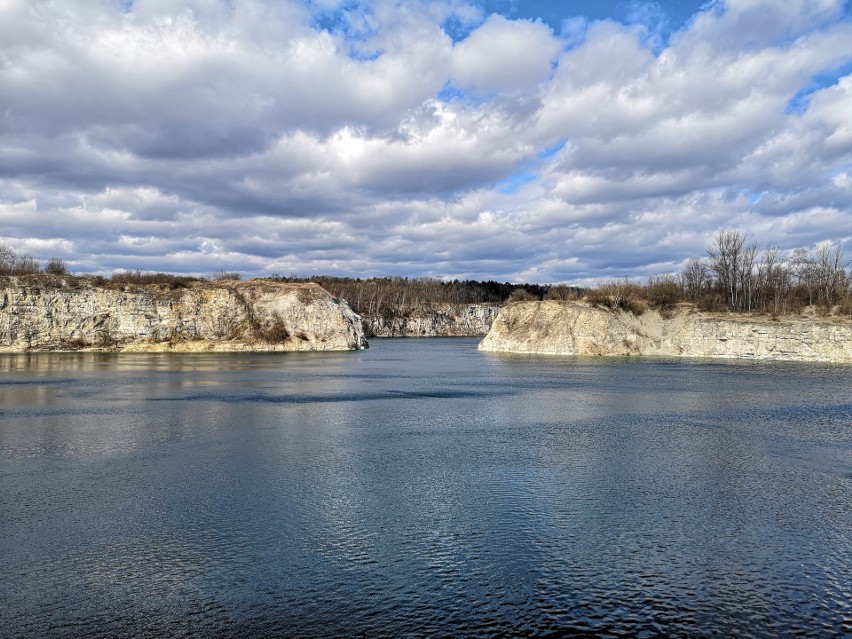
503,56
361,139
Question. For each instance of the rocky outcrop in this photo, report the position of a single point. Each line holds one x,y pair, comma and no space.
574,328
437,320
218,316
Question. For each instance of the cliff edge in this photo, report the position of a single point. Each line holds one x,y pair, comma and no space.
257,315
434,320
575,328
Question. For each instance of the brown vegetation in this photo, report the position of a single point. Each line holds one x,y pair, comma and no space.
11,263
143,278
55,273
274,332
401,296
227,275
734,276
563,293
737,277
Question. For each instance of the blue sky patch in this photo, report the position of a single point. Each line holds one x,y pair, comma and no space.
449,94
752,196
347,21
668,15
452,94
799,103
515,181
550,151
457,29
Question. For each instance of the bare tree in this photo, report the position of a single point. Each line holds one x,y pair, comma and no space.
746,277
11,263
695,278
829,273
7,260
803,272
774,280
726,262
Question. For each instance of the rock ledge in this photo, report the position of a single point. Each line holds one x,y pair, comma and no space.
575,328
257,315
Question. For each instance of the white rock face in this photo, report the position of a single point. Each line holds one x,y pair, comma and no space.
220,316
439,320
574,328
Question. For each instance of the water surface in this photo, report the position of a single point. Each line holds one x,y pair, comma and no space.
421,488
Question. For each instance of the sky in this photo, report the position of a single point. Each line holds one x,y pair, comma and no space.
570,141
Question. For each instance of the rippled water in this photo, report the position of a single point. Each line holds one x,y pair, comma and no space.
422,488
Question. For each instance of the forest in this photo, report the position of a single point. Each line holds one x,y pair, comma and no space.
733,276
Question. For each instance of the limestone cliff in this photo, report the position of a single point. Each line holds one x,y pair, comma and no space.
437,320
221,316
574,328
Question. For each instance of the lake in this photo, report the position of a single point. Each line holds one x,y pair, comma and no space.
422,488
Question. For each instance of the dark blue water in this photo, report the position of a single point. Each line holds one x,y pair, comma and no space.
422,488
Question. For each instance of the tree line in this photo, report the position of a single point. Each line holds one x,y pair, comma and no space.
734,275
770,280
12,263
738,277
395,296
375,296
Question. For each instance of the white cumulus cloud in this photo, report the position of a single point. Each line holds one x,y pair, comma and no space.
359,138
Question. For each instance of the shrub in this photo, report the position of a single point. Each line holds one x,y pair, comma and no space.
105,339
663,292
520,295
56,266
711,303
633,305
598,297
73,344
13,264
274,332
621,294
143,278
563,293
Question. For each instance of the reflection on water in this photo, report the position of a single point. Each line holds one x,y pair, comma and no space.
422,488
